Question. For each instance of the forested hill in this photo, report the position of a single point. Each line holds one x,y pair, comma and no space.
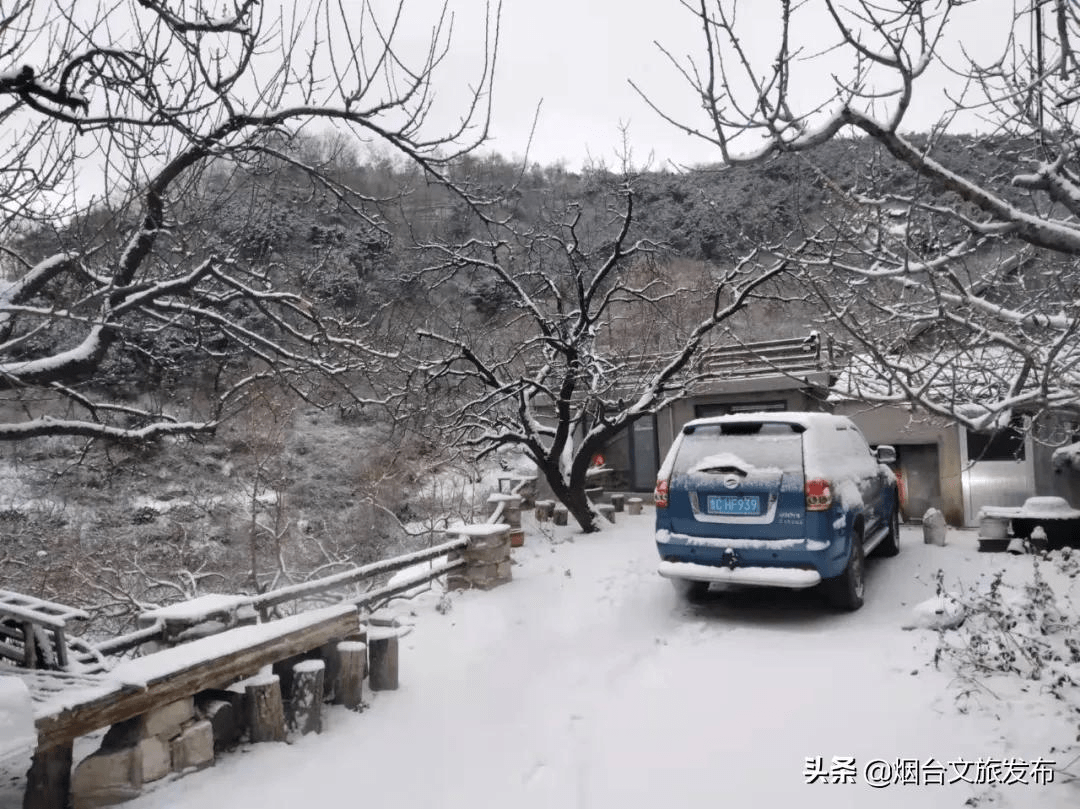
358,261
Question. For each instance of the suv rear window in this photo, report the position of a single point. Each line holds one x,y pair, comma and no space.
748,445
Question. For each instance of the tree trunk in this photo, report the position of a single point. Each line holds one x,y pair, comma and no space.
572,495
577,503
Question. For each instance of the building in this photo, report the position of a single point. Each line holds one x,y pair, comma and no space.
940,464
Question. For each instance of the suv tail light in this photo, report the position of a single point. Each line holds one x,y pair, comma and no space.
818,495
660,493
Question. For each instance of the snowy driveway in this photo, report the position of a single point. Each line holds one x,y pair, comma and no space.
586,683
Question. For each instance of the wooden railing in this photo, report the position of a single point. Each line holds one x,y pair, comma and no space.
162,628
795,357
790,357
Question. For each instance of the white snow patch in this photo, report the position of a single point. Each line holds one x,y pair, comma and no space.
18,736
939,612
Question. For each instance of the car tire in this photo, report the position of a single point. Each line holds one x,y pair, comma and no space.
890,546
692,591
846,591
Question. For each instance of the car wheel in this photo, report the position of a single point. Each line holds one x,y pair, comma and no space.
846,590
692,591
890,546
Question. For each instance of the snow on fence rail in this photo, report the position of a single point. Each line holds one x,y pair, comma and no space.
318,586
172,621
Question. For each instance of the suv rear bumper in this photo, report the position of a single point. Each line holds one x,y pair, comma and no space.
789,577
806,555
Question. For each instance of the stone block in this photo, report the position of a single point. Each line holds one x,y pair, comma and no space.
107,777
125,734
480,571
156,758
606,511
560,515
194,747
933,527
458,580
492,541
169,720
497,553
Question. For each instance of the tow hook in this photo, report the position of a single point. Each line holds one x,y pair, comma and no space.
730,558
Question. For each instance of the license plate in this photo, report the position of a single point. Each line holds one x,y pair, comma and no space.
734,504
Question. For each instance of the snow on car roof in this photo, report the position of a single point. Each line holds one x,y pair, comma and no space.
807,420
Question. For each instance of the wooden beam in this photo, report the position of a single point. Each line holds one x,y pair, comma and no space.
192,667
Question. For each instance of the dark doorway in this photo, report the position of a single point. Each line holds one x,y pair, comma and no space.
643,454
918,472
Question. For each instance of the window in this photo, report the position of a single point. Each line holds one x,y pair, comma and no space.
1003,445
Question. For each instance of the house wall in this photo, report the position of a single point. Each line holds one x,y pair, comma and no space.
671,420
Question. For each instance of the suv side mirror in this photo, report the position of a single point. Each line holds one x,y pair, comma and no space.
885,454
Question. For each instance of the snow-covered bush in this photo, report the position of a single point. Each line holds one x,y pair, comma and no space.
1026,627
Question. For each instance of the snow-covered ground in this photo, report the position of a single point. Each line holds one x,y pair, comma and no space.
586,683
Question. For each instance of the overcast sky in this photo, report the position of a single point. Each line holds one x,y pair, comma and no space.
575,56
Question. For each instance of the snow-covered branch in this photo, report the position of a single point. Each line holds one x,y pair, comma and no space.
174,272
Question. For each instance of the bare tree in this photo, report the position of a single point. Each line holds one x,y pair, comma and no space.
124,123
579,341
957,284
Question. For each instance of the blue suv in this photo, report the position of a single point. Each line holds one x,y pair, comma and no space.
777,500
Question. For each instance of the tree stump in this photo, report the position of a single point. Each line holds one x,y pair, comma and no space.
544,510
383,648
265,712
633,505
560,515
617,501
349,688
606,511
306,697
48,783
